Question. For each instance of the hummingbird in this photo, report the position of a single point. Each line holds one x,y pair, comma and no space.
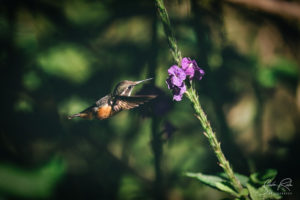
111,104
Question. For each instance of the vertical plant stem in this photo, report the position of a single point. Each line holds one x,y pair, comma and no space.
213,141
193,97
169,31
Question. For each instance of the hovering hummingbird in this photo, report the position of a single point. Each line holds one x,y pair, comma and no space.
115,102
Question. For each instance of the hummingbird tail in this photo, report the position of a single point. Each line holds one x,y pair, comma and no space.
73,116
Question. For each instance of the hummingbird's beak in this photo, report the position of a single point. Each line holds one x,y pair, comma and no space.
138,82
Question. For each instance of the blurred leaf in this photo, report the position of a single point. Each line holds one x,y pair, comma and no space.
188,34
177,154
215,60
25,36
67,62
82,12
24,104
121,124
216,182
281,68
43,27
37,183
266,77
31,81
130,188
261,177
262,193
134,30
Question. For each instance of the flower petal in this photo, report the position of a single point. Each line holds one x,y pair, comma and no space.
185,62
178,92
172,70
182,89
181,74
169,83
190,71
199,73
188,66
176,81
177,72
177,97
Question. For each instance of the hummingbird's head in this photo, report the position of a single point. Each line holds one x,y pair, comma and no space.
124,88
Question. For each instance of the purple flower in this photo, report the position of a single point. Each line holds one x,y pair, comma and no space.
177,76
178,92
199,73
175,82
191,69
169,83
188,67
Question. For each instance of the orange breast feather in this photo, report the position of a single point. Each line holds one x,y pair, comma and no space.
104,112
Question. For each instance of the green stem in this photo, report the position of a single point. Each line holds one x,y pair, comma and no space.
213,141
193,97
169,31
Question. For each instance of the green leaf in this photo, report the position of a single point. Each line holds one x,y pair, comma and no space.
216,182
242,178
266,77
37,184
260,178
130,188
280,69
262,193
285,67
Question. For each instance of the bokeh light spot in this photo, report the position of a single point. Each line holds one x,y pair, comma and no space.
66,62
31,81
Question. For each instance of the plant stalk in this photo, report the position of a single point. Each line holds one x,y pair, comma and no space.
213,141
193,97
169,31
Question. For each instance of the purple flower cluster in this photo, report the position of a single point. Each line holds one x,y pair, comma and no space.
191,69
177,75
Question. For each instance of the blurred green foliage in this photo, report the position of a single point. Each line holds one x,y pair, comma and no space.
59,57
280,69
67,63
37,183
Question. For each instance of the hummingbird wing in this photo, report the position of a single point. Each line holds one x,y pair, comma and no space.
103,100
128,102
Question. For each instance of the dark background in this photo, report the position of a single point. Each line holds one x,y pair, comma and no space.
58,57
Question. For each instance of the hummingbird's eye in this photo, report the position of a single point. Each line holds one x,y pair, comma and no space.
129,87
